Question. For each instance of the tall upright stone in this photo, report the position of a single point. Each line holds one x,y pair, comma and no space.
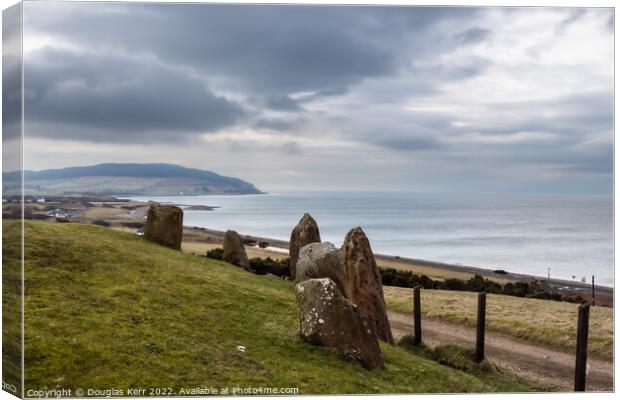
363,285
164,225
305,232
234,251
327,318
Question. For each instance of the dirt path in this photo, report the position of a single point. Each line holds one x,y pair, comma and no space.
535,362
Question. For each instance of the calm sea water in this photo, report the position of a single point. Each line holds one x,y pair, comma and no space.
573,235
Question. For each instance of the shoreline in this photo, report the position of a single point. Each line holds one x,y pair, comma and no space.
282,246
131,215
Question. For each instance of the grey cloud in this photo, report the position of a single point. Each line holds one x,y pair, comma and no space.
252,49
278,49
571,117
282,103
334,91
472,67
473,36
354,73
127,99
11,73
278,124
290,148
407,143
575,15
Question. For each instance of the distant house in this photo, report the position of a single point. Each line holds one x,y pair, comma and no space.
58,213
41,200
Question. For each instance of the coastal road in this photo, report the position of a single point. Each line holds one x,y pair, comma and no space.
549,367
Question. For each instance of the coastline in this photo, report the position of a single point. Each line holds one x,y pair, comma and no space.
130,215
414,263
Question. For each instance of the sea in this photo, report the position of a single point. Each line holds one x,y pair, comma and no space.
566,236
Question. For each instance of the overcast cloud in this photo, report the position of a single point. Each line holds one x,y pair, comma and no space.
327,98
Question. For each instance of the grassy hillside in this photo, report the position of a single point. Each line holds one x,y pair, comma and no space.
544,322
110,309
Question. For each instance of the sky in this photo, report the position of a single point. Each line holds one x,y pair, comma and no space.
516,100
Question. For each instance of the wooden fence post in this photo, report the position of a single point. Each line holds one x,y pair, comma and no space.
593,302
482,304
582,347
417,315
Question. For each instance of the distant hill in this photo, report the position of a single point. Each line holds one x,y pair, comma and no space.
128,179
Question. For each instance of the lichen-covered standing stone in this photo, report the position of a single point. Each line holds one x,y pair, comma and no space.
327,318
363,285
164,225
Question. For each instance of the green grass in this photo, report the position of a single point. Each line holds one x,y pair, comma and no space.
109,309
543,322
11,308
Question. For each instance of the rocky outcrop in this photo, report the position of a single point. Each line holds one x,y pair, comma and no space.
234,251
305,232
327,318
164,225
362,282
320,260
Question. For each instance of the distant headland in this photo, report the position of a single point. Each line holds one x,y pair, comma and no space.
128,179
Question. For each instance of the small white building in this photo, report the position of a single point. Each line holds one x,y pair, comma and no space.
41,200
58,213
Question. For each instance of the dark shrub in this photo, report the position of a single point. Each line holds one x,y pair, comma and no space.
439,285
426,282
521,289
403,278
455,284
101,222
492,287
134,225
263,266
407,279
509,289
476,284
573,299
399,278
555,296
215,253
387,276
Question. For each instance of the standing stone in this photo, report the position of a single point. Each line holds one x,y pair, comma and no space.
363,285
320,260
305,232
234,251
164,225
327,318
